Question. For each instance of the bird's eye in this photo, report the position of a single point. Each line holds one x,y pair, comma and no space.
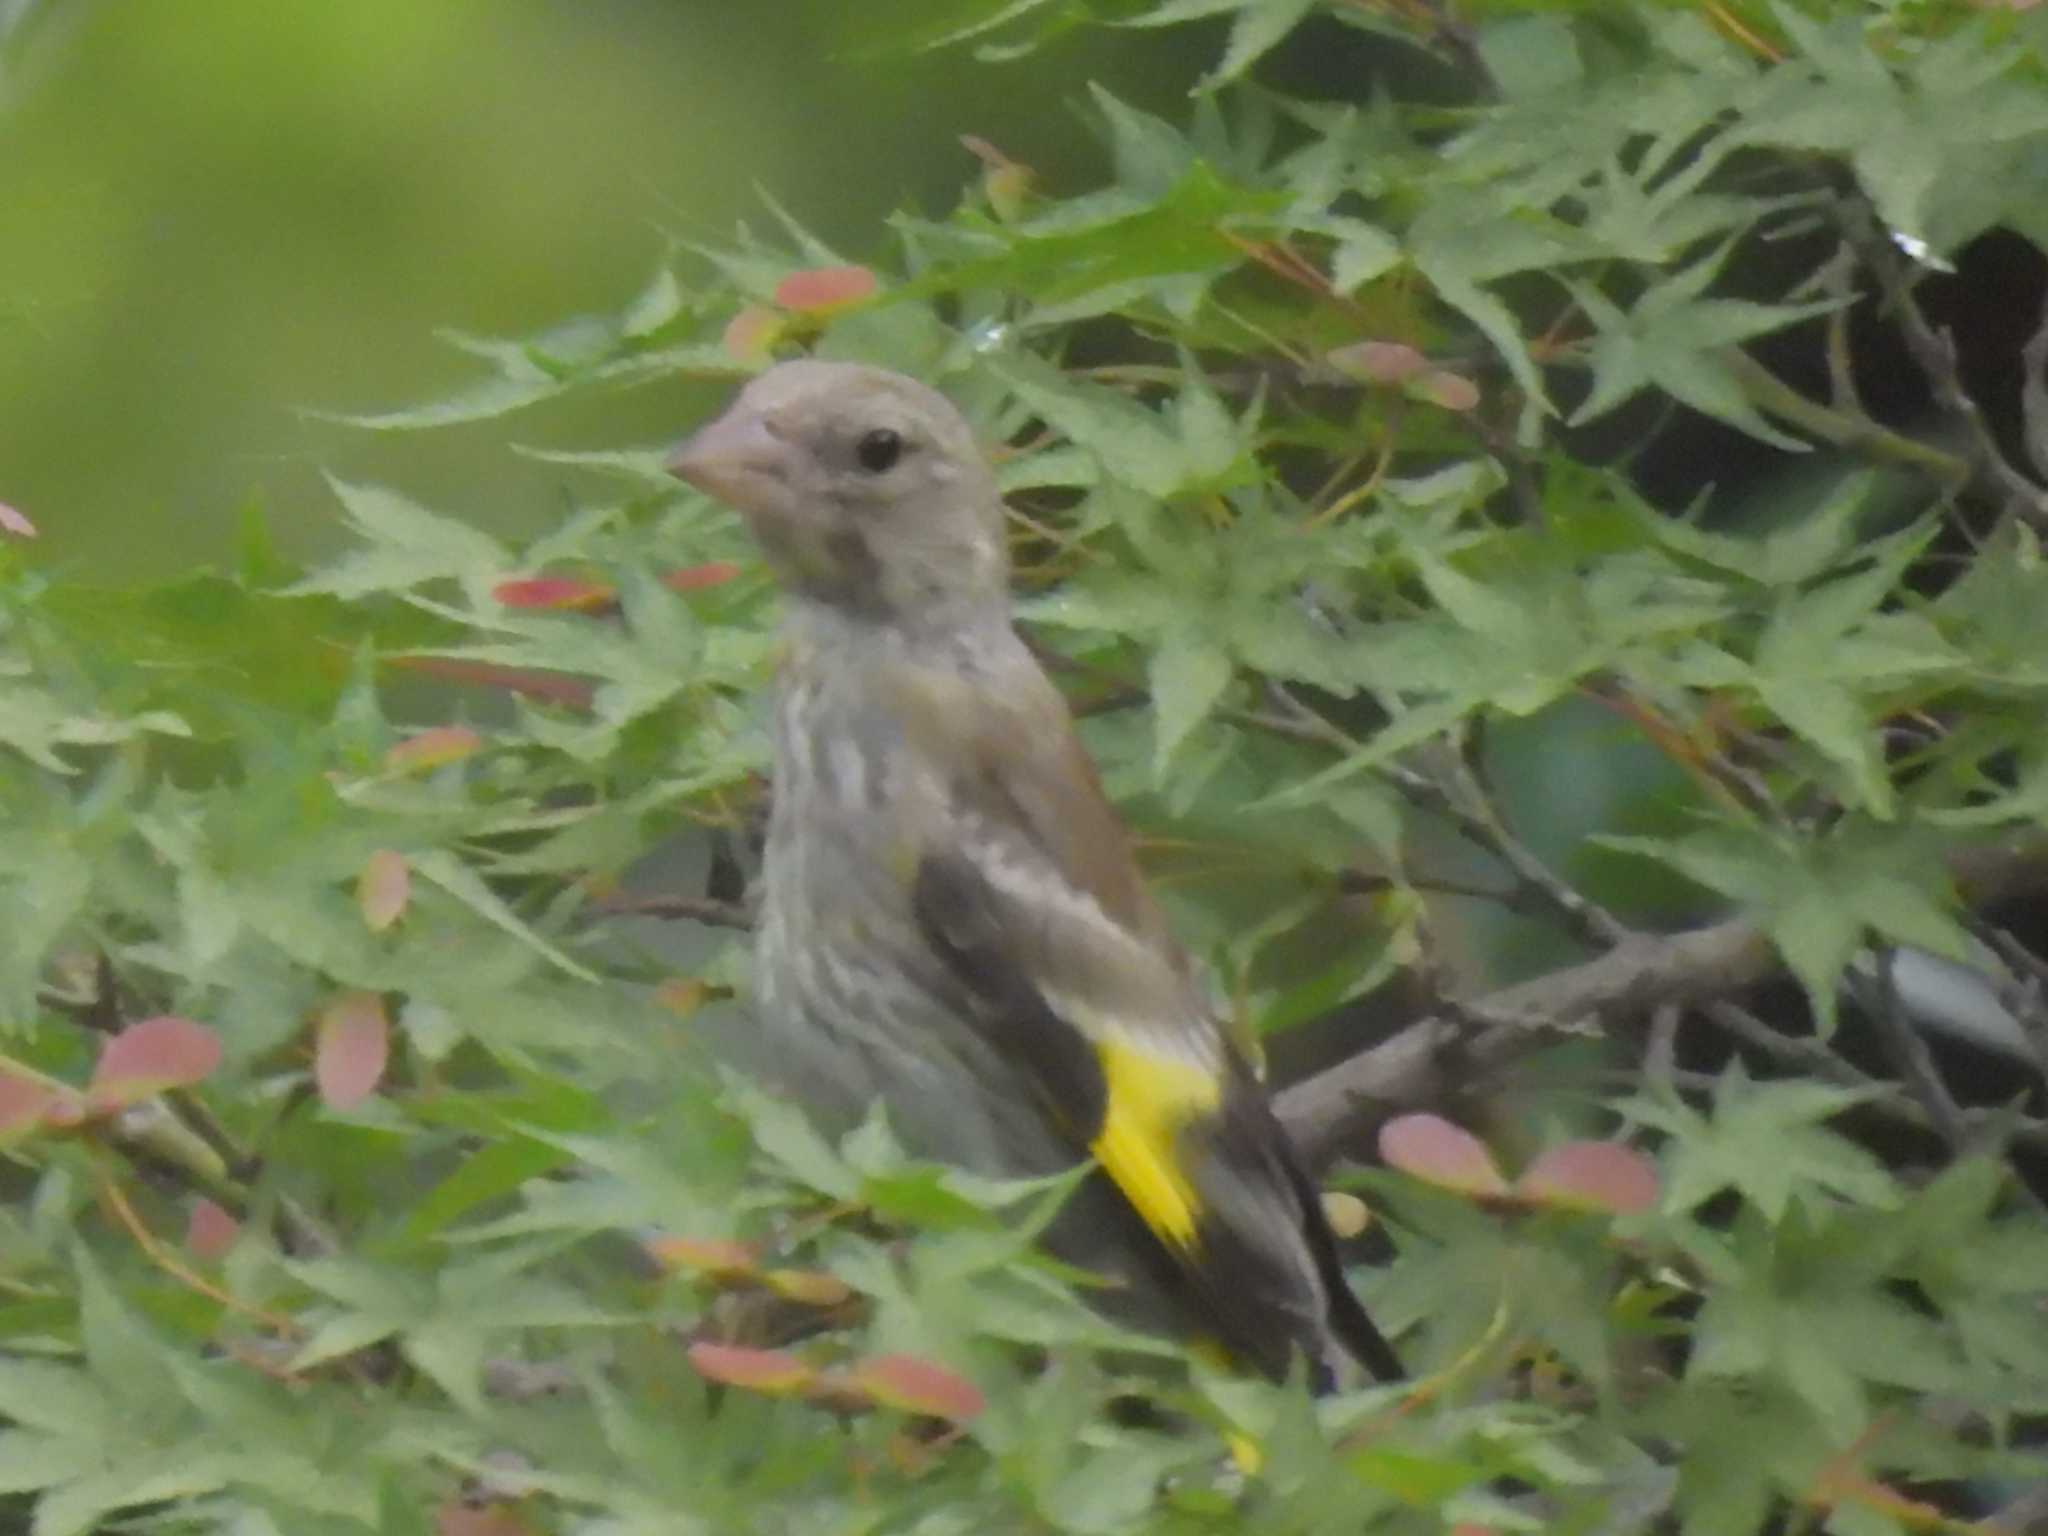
879,450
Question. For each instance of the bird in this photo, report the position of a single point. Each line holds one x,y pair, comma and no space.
952,920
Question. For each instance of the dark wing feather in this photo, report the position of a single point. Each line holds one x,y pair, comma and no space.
1027,890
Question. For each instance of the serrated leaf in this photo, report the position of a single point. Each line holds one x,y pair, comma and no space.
1187,676
1766,1140
1531,56
58,1398
1258,29
785,1133
407,547
1669,341
658,303
468,887
1128,439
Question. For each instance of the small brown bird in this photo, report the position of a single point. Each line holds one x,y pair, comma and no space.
952,919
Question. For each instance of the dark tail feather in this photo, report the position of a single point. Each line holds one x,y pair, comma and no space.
1359,1334
1348,1319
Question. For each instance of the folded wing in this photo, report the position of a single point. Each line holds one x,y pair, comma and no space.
1025,886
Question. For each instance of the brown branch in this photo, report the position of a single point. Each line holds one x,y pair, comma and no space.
1909,1051
1625,986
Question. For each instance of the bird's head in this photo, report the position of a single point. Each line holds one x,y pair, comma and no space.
866,490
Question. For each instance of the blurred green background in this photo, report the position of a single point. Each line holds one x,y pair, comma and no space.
216,218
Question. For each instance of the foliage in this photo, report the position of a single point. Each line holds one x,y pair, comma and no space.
368,1163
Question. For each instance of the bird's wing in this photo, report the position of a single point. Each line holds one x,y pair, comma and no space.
1024,884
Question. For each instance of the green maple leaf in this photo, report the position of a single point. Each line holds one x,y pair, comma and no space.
1769,1143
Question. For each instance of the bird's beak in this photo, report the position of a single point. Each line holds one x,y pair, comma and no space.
736,458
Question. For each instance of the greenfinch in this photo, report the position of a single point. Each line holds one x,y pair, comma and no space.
952,921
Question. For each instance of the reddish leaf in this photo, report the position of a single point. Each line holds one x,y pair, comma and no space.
1378,362
1452,391
682,995
146,1058
694,578
1008,191
565,688
809,1287
774,1372
750,335
825,290
718,1258
383,889
1591,1175
1433,1149
918,1386
30,1102
1006,183
435,747
352,1045
985,152
556,592
209,1230
15,523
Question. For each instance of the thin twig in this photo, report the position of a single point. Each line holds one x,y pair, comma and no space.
1478,822
1358,882
1536,885
1910,1053
1837,278
1802,1052
696,909
1935,353
153,1247
2025,996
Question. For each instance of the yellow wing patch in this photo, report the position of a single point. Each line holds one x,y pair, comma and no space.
1149,1098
